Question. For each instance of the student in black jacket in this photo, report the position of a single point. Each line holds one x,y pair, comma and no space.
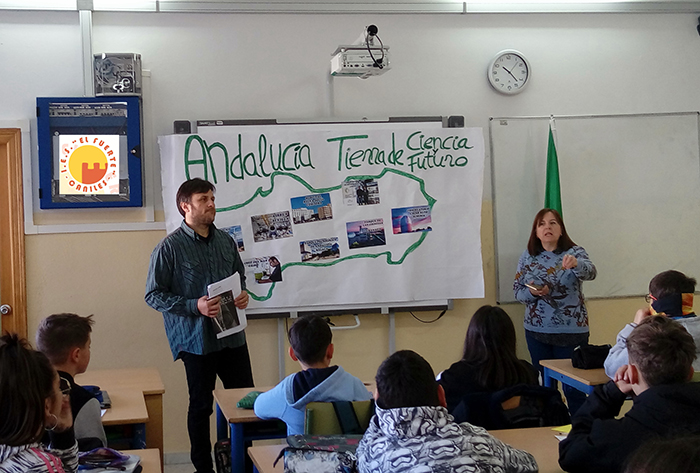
666,404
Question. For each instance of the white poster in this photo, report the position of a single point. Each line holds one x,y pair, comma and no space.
342,213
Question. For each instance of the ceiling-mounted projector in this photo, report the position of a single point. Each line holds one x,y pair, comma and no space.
362,58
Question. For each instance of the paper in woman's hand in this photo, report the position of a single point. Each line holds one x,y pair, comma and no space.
230,318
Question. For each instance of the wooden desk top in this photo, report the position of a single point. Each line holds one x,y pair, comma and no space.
145,379
227,399
539,441
150,459
128,407
590,377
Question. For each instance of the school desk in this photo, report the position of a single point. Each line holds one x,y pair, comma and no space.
150,459
148,381
539,441
242,424
128,408
563,370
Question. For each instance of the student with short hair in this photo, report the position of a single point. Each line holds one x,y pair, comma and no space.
33,400
412,431
65,340
670,294
666,404
310,340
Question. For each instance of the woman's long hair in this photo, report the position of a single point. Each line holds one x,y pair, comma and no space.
26,381
534,245
489,347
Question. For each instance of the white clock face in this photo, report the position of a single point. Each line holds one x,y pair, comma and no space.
509,72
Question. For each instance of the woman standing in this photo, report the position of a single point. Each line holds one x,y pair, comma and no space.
33,399
548,281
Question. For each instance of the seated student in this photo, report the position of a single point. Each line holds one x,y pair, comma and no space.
666,404
489,362
65,340
33,399
310,339
670,294
412,431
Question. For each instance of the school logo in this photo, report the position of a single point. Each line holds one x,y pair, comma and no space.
89,164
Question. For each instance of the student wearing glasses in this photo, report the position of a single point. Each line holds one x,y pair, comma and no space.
670,294
33,400
65,340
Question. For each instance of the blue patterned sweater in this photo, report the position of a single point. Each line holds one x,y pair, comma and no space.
563,310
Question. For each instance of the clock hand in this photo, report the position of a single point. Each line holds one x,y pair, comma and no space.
511,74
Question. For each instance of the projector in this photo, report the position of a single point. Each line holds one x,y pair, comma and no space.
360,61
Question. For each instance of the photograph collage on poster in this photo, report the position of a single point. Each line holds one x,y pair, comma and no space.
318,208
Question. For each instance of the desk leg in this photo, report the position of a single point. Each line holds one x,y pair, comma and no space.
221,425
154,430
238,452
547,377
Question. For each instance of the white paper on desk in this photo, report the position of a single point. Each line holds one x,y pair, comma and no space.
230,319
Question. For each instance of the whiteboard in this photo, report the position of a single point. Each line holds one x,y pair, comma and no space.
630,194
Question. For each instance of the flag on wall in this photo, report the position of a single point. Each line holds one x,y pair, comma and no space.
552,189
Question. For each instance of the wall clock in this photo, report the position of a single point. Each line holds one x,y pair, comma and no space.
509,72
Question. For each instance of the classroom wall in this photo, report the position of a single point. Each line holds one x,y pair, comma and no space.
275,65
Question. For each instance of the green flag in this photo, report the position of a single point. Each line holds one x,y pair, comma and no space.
552,189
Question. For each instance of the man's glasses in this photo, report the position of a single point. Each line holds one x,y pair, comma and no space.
650,298
64,386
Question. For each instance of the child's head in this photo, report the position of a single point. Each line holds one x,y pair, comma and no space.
662,350
672,293
65,340
490,333
28,392
489,347
671,282
406,379
309,337
679,455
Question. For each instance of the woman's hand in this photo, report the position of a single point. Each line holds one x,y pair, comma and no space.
543,291
569,262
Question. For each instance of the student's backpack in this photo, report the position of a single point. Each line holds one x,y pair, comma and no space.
516,407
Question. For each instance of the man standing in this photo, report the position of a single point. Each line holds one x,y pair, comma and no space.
182,266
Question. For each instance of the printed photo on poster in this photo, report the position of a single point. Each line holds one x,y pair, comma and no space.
411,219
237,235
311,208
366,233
320,249
264,270
271,226
360,192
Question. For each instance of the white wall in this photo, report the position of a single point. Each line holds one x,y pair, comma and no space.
275,66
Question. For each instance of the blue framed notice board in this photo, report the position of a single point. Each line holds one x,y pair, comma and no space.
89,152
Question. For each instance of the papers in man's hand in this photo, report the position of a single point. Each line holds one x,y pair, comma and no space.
230,319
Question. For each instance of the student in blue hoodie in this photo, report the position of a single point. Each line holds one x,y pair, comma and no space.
311,345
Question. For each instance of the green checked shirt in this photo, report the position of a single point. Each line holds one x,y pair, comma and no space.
182,266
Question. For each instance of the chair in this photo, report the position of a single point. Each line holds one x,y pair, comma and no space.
338,417
516,407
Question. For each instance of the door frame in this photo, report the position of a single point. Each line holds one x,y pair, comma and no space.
13,277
